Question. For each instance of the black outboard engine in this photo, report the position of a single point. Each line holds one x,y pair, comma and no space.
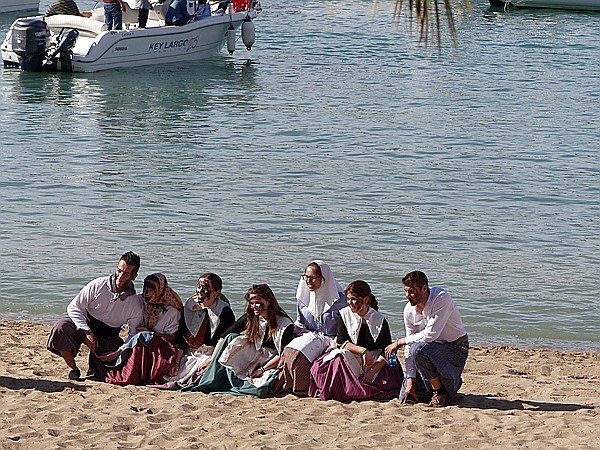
29,43
64,51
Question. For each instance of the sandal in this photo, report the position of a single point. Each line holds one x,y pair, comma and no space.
439,400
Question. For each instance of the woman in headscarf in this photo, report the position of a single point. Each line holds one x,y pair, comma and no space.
319,299
357,370
206,316
149,355
245,361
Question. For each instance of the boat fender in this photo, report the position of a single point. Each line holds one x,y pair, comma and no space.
231,39
248,33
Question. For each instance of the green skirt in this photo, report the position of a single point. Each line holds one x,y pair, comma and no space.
218,379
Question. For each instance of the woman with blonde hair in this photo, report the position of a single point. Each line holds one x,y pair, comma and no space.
245,361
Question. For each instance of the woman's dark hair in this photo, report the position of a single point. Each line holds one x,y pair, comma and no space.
362,289
215,280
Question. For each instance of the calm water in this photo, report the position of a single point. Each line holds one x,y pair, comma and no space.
337,138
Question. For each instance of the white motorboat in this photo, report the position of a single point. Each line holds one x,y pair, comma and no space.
82,44
583,5
18,5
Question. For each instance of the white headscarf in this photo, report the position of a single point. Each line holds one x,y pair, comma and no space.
320,301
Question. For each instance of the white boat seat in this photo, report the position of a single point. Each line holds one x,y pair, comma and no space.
86,26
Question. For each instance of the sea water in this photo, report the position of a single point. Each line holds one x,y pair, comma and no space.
337,137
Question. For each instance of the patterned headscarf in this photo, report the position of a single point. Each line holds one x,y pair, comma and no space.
165,296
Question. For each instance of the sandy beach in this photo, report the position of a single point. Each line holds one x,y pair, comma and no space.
510,399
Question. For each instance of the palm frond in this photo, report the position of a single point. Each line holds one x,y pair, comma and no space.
427,15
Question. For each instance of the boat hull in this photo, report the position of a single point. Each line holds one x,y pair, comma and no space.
582,5
143,47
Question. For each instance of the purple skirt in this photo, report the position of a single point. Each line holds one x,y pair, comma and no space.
334,380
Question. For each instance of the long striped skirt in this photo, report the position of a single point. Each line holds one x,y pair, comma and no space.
335,380
146,364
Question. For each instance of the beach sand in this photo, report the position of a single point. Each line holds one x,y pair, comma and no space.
510,399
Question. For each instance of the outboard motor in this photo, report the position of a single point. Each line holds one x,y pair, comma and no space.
63,50
29,43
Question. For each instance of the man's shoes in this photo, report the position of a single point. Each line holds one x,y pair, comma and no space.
439,400
74,374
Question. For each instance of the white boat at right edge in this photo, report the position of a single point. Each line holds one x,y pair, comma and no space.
582,5
81,44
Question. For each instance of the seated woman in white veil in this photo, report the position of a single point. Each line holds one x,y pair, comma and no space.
319,300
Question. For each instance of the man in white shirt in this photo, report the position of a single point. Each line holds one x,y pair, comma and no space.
95,317
436,343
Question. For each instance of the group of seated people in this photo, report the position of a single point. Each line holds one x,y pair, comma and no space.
175,13
339,347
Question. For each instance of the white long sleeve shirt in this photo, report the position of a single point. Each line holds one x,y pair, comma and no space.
97,300
439,321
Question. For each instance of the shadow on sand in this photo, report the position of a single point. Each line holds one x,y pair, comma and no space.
491,402
39,385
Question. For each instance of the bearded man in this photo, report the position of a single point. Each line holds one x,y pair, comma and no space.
436,343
